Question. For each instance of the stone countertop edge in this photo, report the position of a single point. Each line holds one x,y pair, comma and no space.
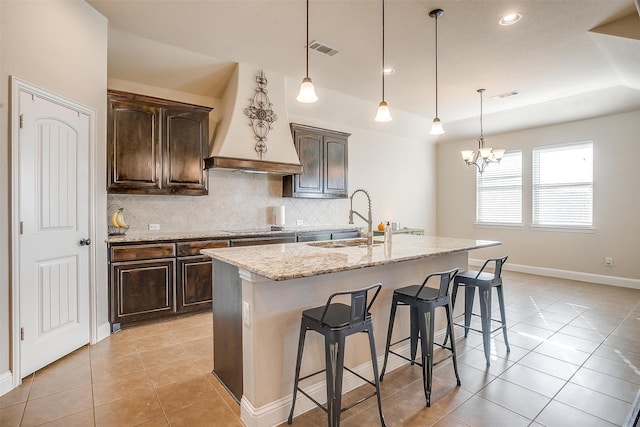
297,260
155,236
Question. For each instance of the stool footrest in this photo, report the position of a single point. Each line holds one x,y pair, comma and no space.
478,330
324,408
420,363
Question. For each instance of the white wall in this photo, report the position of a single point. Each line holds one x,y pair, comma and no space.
616,200
60,46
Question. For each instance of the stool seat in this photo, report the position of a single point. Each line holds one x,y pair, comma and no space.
423,301
484,281
336,321
477,276
338,315
424,294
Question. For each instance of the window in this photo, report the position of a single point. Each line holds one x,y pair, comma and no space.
499,191
563,186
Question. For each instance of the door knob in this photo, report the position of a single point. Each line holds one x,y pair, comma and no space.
85,242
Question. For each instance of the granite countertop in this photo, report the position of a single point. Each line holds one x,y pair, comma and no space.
295,260
154,236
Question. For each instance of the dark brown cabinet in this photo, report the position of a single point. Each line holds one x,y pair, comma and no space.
156,146
142,283
155,280
324,157
193,286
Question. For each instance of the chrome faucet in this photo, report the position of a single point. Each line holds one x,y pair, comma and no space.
368,220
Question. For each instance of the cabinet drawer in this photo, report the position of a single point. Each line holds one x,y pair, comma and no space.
345,235
193,248
147,251
255,241
313,237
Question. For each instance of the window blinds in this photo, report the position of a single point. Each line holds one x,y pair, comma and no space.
563,186
499,191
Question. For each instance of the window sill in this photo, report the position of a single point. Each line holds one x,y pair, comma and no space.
498,225
558,228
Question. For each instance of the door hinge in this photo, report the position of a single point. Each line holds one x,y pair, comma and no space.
21,227
21,334
21,120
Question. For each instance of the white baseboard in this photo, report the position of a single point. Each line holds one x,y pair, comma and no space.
6,382
624,282
104,331
276,413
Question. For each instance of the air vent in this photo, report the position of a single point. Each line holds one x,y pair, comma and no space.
506,94
322,48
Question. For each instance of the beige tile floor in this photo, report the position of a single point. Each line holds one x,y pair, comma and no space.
574,361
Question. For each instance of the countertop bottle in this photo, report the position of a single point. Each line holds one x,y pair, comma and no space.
387,233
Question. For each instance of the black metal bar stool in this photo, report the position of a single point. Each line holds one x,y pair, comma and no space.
336,321
484,281
423,301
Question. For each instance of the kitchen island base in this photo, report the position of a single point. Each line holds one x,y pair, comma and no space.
259,319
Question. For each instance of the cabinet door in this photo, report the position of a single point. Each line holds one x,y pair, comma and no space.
194,284
185,147
309,148
142,290
134,146
335,165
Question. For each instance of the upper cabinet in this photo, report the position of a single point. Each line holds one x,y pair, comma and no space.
324,157
156,146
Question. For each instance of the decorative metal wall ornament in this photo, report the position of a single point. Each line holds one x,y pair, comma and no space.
261,114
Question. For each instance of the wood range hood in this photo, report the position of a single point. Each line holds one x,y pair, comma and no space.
233,145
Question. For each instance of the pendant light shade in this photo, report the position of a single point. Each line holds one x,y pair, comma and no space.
383,114
436,127
307,93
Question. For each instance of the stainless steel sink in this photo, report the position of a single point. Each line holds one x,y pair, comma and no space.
344,243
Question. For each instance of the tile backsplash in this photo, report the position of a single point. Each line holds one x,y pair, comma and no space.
236,200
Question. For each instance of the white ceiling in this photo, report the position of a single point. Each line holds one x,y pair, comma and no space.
567,59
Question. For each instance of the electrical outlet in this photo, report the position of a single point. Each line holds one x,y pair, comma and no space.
298,222
154,227
608,262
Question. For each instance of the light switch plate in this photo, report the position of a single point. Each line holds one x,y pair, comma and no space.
246,313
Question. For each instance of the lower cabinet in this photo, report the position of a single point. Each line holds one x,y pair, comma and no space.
194,284
142,290
158,280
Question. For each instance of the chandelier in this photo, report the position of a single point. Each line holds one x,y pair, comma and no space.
485,155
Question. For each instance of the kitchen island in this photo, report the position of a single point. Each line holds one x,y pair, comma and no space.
260,293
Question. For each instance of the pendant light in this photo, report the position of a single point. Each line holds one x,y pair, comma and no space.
383,114
307,93
436,127
485,155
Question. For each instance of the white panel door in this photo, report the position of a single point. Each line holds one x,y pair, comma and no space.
54,215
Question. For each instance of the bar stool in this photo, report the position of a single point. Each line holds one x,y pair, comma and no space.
336,321
484,281
423,301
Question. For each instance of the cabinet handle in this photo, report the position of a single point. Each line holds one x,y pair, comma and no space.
85,242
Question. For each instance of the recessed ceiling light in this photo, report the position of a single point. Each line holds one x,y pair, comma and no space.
388,70
510,19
